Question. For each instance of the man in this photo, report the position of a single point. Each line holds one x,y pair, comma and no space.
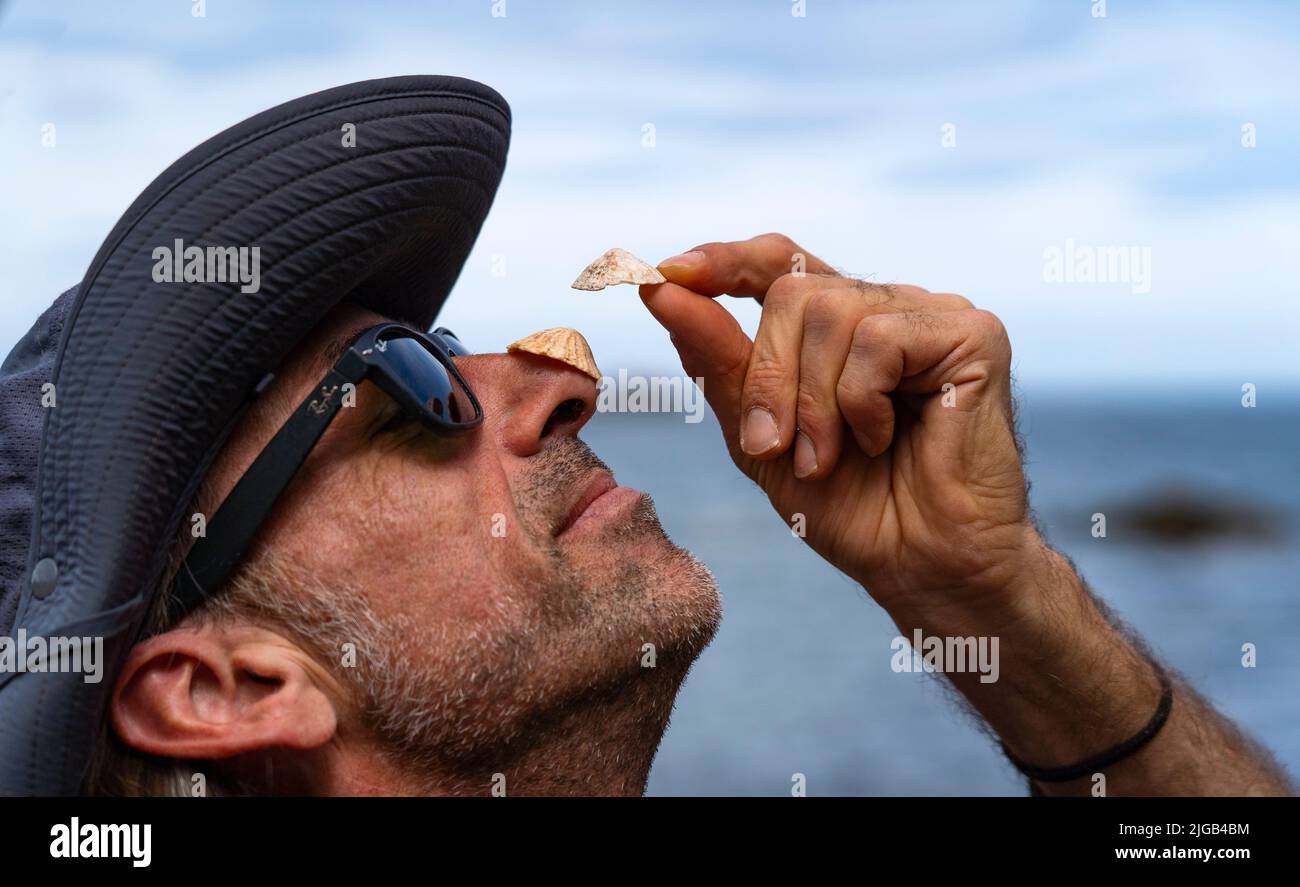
517,658
457,601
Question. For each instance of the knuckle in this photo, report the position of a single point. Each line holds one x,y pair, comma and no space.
990,329
775,240
786,290
825,303
776,251
986,320
871,332
822,311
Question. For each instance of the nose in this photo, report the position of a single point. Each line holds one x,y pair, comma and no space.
528,399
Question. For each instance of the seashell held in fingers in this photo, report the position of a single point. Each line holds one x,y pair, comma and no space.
563,344
616,266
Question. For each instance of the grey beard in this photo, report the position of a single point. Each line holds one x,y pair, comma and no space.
500,688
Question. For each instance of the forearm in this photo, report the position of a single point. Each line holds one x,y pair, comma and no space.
1071,685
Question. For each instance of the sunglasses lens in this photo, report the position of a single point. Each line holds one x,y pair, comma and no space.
422,380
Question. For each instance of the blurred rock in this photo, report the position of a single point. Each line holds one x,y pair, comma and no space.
1177,514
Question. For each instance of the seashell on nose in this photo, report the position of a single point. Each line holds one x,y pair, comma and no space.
563,344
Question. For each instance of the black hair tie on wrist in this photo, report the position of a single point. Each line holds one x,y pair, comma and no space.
1111,755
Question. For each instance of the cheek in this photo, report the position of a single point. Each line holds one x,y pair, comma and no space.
438,541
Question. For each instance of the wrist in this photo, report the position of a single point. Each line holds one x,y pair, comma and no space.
1068,684
985,590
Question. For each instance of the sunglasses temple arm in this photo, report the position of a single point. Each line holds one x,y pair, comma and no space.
231,531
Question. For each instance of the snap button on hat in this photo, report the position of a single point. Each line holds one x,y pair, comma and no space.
44,575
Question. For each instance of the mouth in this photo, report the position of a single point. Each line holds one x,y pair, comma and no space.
601,496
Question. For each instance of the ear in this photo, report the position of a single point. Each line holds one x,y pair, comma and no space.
213,692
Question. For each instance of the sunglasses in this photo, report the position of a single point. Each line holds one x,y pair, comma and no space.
417,370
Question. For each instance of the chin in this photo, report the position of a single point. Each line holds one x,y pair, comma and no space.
639,588
683,607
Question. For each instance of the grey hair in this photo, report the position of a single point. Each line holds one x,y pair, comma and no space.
271,593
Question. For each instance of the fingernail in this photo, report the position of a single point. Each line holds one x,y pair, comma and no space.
759,433
805,456
687,261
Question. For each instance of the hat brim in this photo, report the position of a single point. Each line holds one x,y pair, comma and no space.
372,192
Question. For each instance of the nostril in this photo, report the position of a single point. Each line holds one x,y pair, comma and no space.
566,413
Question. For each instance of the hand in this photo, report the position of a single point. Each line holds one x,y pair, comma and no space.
881,413
892,432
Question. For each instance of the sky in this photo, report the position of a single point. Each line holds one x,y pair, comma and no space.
959,146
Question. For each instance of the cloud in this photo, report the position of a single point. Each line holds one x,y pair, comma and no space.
1122,131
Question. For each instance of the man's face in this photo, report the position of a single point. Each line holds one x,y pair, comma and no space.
515,583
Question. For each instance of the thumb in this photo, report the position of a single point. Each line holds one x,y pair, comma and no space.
710,343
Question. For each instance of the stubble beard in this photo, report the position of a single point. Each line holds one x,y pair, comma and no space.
583,682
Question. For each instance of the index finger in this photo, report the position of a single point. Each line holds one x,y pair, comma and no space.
741,267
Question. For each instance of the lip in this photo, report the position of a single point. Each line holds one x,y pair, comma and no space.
601,494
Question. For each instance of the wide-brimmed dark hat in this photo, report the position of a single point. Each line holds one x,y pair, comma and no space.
114,404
